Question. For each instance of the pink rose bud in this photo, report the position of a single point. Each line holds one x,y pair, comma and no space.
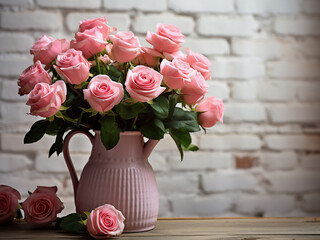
46,49
210,111
144,83
175,73
9,198
194,90
125,46
90,42
42,206
72,66
168,38
100,23
45,100
105,221
148,57
31,76
198,62
103,93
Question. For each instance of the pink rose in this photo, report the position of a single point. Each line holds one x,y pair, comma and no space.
198,62
194,90
175,73
45,100
167,40
210,111
42,206
105,221
100,23
144,83
31,76
125,46
46,49
72,66
103,93
9,198
90,42
148,57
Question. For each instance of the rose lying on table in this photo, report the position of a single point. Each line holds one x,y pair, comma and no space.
43,205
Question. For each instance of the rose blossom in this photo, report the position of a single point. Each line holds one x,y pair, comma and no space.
125,46
175,73
9,198
194,90
72,66
42,206
210,111
167,40
100,23
198,62
90,42
31,76
46,49
105,221
103,93
143,83
148,57
45,100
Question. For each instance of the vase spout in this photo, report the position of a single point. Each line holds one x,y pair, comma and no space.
149,146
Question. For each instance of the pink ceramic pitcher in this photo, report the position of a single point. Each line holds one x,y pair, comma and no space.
121,176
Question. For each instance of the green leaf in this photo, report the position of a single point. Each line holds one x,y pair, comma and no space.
38,129
129,111
59,139
161,106
73,222
114,73
183,136
54,126
172,104
191,147
178,143
154,129
183,119
52,150
110,133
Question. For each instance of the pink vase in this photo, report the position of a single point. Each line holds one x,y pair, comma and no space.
121,176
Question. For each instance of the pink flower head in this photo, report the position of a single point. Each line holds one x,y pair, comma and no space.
143,83
31,76
194,90
45,100
46,49
125,46
210,111
100,23
9,198
42,206
72,66
198,62
103,93
105,221
148,57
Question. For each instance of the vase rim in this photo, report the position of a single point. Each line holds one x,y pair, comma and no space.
125,133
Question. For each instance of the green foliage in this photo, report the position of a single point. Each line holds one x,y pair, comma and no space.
183,119
73,222
38,129
110,132
153,129
160,106
129,110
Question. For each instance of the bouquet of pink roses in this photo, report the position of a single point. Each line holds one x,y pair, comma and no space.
106,81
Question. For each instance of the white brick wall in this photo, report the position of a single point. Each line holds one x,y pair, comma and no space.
265,55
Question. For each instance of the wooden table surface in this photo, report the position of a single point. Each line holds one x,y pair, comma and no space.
193,228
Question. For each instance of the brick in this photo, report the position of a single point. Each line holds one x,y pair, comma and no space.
271,204
9,91
292,142
16,42
308,92
120,21
164,207
230,26
227,181
144,23
294,69
279,161
218,89
18,116
19,3
80,143
158,161
297,26
13,162
246,91
147,6
310,161
293,182
244,112
237,68
209,6
208,46
311,6
13,65
230,141
205,206
308,47
262,7
310,202
302,113
177,183
199,160
77,4
30,20
69,206
275,91
246,162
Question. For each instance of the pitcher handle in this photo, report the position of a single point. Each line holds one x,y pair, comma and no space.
149,146
67,158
